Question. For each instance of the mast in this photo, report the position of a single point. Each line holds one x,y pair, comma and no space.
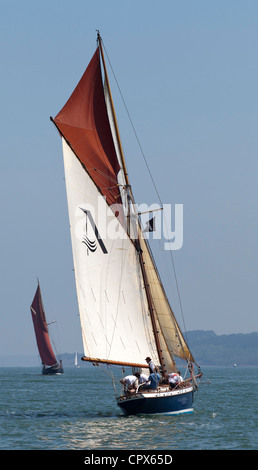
99,39
130,197
152,313
127,186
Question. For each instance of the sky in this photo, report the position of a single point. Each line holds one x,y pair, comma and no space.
188,73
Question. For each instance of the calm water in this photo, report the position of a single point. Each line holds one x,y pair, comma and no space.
71,412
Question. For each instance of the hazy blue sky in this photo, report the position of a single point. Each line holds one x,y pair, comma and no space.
188,72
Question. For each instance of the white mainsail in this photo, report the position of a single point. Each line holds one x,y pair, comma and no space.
113,308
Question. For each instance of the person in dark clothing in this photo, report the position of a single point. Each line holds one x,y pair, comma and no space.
152,367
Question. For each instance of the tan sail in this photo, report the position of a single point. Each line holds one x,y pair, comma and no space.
173,342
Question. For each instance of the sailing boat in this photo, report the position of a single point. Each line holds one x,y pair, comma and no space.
124,312
49,361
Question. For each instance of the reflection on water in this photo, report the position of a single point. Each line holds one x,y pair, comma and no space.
78,411
121,433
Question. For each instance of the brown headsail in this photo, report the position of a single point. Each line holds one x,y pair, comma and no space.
48,358
83,121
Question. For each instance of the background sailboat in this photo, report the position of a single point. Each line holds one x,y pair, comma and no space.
48,358
124,312
76,361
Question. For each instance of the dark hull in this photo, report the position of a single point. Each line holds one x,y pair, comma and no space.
162,402
52,370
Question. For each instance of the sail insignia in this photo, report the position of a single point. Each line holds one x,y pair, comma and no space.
91,244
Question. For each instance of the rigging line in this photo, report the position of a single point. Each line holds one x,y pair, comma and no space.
109,187
104,174
152,179
131,122
110,374
53,342
50,323
119,295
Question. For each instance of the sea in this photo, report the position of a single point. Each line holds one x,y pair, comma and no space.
78,411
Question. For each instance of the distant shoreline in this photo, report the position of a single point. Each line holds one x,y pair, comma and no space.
208,349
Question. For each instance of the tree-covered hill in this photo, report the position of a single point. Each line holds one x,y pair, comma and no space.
223,350
207,348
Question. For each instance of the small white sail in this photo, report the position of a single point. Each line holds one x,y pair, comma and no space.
76,361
